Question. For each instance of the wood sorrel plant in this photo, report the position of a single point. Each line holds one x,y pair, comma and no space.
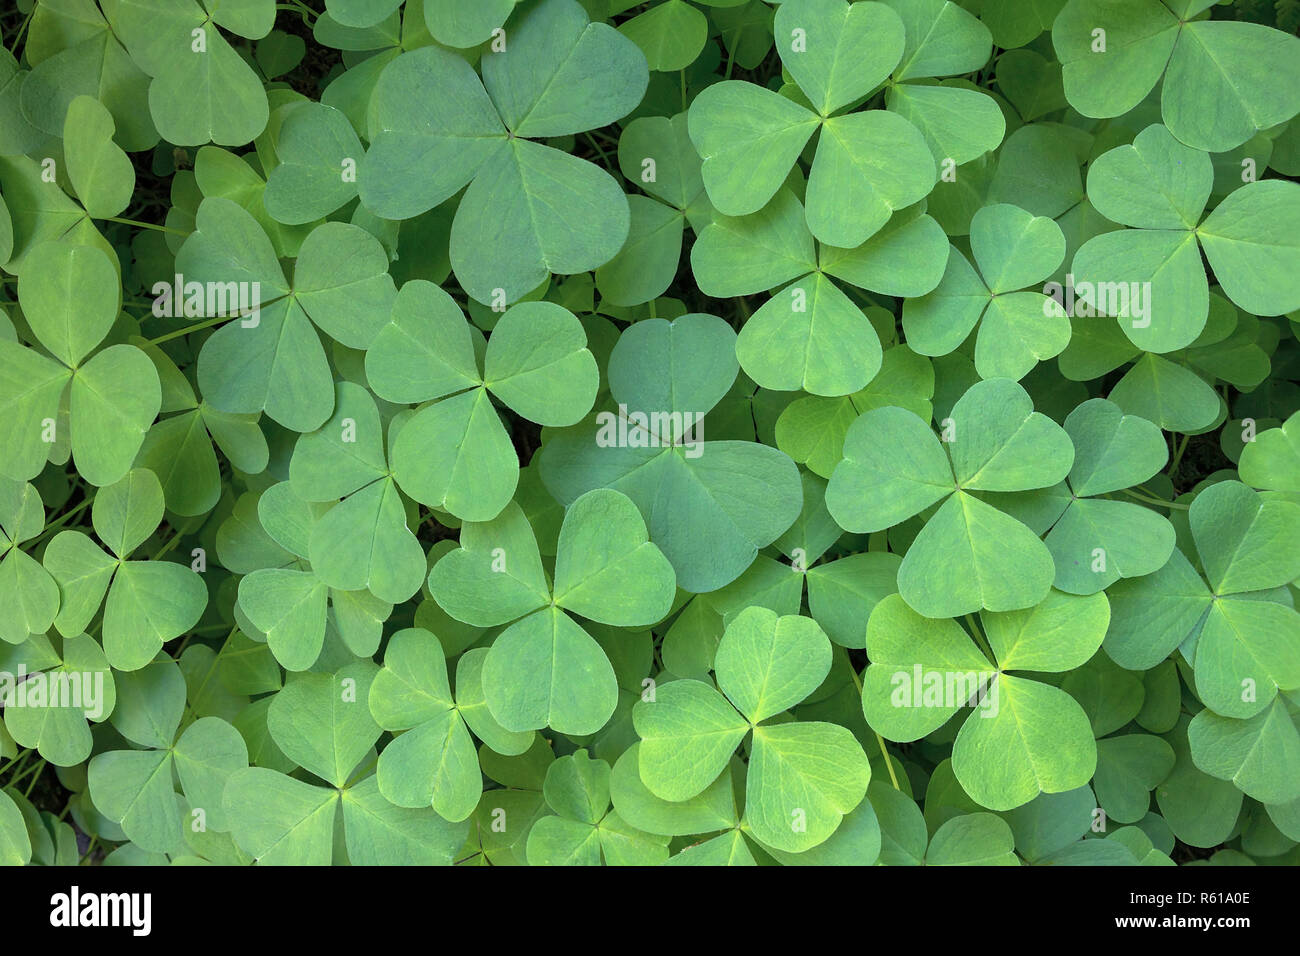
693,431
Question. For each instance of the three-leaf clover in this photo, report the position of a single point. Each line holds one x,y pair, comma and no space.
434,762
148,602
1223,80
530,210
544,670
365,540
322,722
803,777
1017,329
135,788
710,505
1248,239
969,555
178,449
273,359
70,295
867,165
1234,626
583,829
1094,540
202,90
1024,737
55,725
283,601
810,335
453,453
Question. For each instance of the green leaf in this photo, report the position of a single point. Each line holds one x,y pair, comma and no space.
507,237
322,722
1041,740
1253,754
278,820
534,666
289,608
749,138
688,733
767,664
318,152
149,604
803,778
538,364
1251,246
670,34
126,512
973,839
70,295
100,172
473,470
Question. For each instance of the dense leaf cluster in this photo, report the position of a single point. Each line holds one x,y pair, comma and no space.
689,432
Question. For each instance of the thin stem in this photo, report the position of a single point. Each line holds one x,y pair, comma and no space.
35,777
300,7
980,640
1178,455
20,759
66,517
603,157
1155,501
880,741
13,782
171,543
188,329
360,774
889,763
144,225
18,37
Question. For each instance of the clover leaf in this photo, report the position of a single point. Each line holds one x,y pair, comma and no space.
434,762
924,670
1231,629
836,349
895,467
71,295
943,39
325,725
149,602
1096,541
55,727
1016,329
804,776
871,162
480,133
25,586
688,489
584,829
273,359
1245,239
1221,79
536,363
534,666
135,788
